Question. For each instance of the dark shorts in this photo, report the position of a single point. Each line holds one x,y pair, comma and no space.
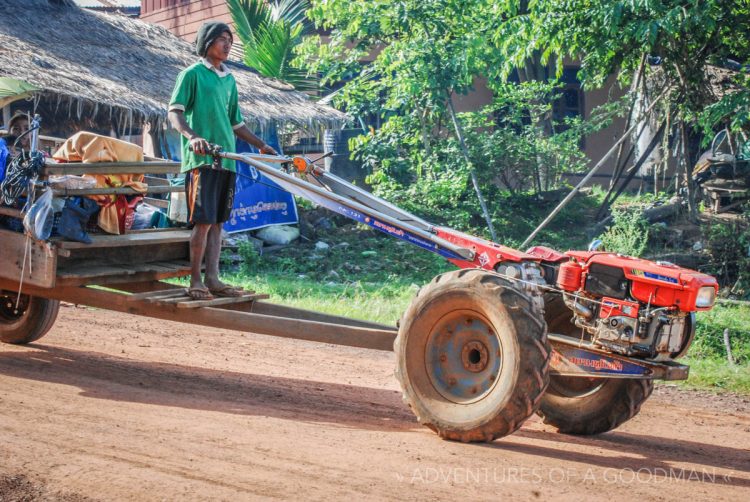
210,195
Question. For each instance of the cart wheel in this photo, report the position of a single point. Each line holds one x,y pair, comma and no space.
472,356
580,405
31,321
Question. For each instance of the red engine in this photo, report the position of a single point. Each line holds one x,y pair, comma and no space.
657,284
629,305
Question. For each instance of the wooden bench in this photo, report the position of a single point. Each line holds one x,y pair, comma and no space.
724,198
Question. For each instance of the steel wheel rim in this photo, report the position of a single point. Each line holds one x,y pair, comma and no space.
8,313
463,357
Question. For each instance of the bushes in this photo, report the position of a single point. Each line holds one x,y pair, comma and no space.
416,161
728,245
628,233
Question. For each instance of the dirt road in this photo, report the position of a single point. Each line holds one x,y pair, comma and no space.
109,406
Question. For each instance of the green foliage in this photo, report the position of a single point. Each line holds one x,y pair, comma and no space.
356,255
728,245
628,233
427,174
733,110
269,31
612,37
709,337
250,257
615,38
423,47
427,52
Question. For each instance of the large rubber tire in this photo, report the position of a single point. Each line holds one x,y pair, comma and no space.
34,318
472,356
586,406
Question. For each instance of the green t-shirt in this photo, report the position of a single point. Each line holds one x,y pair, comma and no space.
211,109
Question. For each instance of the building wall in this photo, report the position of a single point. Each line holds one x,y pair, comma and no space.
184,17
600,142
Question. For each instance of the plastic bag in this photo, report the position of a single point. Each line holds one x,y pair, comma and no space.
278,234
178,209
3,158
74,218
38,220
145,216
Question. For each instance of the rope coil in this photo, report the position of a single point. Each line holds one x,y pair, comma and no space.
22,170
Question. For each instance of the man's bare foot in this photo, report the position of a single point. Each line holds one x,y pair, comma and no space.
199,293
219,288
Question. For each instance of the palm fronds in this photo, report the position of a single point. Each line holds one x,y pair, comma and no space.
269,31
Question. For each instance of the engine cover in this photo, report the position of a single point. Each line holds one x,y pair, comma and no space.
653,283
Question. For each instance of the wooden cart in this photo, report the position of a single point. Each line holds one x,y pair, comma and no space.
125,273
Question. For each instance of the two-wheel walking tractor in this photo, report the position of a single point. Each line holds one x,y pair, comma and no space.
577,337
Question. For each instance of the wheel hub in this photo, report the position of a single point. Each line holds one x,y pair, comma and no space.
474,356
9,311
463,357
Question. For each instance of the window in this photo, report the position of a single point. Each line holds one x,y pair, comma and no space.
570,102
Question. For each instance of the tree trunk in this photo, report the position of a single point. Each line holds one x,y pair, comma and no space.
474,180
685,154
655,140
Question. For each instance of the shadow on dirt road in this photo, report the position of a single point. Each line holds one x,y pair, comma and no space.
103,376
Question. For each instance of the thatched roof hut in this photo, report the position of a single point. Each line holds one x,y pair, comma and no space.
99,65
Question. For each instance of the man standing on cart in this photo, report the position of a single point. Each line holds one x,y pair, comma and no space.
204,108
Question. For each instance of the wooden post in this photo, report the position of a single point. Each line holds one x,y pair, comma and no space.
728,347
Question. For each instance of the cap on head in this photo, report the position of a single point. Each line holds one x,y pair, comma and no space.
207,33
18,115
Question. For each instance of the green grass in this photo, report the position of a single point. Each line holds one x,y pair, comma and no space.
383,303
718,375
357,254
709,339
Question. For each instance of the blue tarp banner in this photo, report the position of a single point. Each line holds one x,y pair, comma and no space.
4,154
258,201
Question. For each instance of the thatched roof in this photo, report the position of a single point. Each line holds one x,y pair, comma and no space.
126,66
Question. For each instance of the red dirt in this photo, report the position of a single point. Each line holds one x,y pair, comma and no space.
110,406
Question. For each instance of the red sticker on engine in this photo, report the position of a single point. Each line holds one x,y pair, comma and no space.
612,307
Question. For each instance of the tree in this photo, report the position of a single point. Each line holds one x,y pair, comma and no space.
681,38
428,51
269,32
425,53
